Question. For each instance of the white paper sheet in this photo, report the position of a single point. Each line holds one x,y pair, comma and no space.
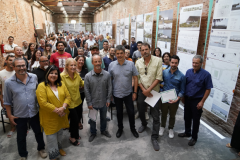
167,95
93,114
154,99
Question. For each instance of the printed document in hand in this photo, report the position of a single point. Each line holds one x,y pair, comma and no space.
167,95
154,99
93,114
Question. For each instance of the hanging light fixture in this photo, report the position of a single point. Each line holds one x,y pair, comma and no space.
83,9
64,12
85,5
62,9
59,4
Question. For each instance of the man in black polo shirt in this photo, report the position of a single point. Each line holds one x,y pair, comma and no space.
40,71
78,41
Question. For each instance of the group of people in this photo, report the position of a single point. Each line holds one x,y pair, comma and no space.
47,90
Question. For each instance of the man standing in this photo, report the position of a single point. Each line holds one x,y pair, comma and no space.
25,46
133,47
94,50
101,41
18,54
98,91
198,87
40,71
19,93
173,79
72,49
90,41
42,47
67,40
78,41
122,72
137,54
109,58
9,48
150,74
4,75
59,58
104,51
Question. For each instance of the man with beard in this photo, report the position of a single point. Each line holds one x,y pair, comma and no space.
58,58
19,93
150,74
40,71
173,79
109,58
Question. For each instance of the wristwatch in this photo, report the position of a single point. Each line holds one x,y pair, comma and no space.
64,107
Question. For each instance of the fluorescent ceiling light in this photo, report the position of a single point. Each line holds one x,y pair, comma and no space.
59,4
73,21
85,5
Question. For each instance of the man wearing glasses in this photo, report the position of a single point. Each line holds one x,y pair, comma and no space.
9,48
150,74
40,71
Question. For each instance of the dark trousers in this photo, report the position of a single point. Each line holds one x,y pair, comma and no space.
192,114
22,128
130,110
74,121
81,107
103,121
154,112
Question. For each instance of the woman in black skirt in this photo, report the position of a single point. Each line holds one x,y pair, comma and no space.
235,141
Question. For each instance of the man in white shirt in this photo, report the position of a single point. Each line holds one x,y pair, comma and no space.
4,75
9,48
104,51
24,47
67,40
90,41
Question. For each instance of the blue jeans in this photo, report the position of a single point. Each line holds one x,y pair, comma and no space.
103,121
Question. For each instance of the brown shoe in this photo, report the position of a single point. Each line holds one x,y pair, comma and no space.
62,152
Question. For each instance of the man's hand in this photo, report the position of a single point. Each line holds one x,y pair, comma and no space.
200,105
147,93
134,96
174,101
107,104
11,118
90,107
183,100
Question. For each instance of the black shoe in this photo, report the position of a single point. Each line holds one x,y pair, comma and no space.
134,132
119,133
192,142
91,138
183,135
108,119
141,129
155,145
106,133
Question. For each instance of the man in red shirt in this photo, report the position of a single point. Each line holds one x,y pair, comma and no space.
59,58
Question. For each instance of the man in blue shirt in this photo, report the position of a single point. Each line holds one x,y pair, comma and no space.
78,41
133,46
109,58
121,72
198,87
173,79
19,93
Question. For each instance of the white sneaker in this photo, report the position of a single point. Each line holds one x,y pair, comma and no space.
43,153
161,131
146,116
171,133
136,115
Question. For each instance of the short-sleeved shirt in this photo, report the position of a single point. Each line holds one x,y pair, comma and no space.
78,42
90,65
4,75
10,47
197,83
90,42
22,97
103,53
100,43
122,77
107,61
136,55
153,70
59,60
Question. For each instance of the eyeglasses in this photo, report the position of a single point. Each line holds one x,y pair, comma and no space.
146,71
45,61
22,66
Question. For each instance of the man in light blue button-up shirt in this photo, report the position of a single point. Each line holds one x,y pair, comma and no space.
20,93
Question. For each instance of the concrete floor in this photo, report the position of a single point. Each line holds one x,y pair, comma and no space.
127,147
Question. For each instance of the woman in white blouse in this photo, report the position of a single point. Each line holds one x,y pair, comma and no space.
34,62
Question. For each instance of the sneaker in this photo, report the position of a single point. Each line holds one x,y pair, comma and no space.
146,116
161,131
106,133
171,133
91,138
155,145
136,115
43,153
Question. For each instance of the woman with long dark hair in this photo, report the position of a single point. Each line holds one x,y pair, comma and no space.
30,51
47,51
157,52
34,62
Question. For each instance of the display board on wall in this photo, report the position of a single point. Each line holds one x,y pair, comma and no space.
165,30
189,29
82,27
148,26
133,26
223,57
109,28
126,29
89,27
60,27
118,32
140,27
122,30
71,28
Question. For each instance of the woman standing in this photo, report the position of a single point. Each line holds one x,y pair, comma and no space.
30,51
86,50
82,70
166,60
34,62
48,51
73,82
157,52
54,41
53,98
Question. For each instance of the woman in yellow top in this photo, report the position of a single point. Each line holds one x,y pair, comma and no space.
53,98
73,82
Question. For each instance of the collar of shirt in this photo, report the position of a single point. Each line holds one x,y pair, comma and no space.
176,72
19,81
94,73
67,76
149,61
124,63
197,71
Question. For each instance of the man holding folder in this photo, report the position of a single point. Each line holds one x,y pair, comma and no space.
173,79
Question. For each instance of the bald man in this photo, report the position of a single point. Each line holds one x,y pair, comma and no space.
19,54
